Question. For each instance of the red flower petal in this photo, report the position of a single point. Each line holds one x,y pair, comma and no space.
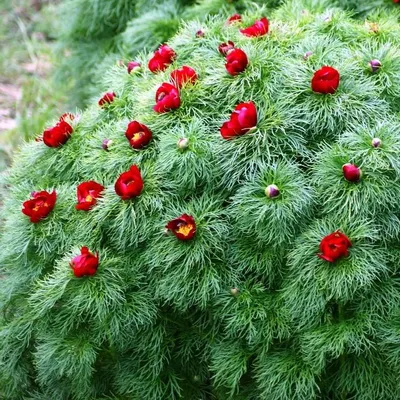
87,193
236,62
39,206
161,59
183,227
325,80
167,98
259,28
183,75
129,184
139,135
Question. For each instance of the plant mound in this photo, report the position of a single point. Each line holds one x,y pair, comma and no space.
223,224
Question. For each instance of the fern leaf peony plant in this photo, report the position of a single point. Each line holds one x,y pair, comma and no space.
225,226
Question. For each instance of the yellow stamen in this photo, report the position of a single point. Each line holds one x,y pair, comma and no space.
185,229
89,199
137,135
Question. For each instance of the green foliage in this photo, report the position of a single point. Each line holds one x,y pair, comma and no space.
245,310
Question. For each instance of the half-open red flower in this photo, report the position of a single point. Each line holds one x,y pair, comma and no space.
183,75
88,193
225,47
236,61
40,205
243,118
234,18
107,99
167,98
58,134
132,65
139,135
334,246
162,57
184,227
85,264
129,184
259,28
325,80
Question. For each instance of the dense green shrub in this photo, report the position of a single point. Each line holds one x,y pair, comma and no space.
245,309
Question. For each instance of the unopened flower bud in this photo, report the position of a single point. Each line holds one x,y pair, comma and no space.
183,143
132,66
307,55
272,191
374,66
234,291
376,142
200,33
106,144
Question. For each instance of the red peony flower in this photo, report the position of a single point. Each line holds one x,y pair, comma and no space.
129,184
236,61
396,1
225,47
40,205
325,80
351,172
167,98
162,57
107,99
85,264
259,28
234,18
139,135
183,75
87,193
334,246
243,118
58,134
132,65
184,227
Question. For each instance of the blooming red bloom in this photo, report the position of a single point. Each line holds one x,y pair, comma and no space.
167,98
58,134
236,61
132,65
162,57
183,75
334,246
234,18
40,205
325,80
139,135
225,47
396,1
85,264
243,118
351,172
129,184
259,28
87,193
107,99
184,227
